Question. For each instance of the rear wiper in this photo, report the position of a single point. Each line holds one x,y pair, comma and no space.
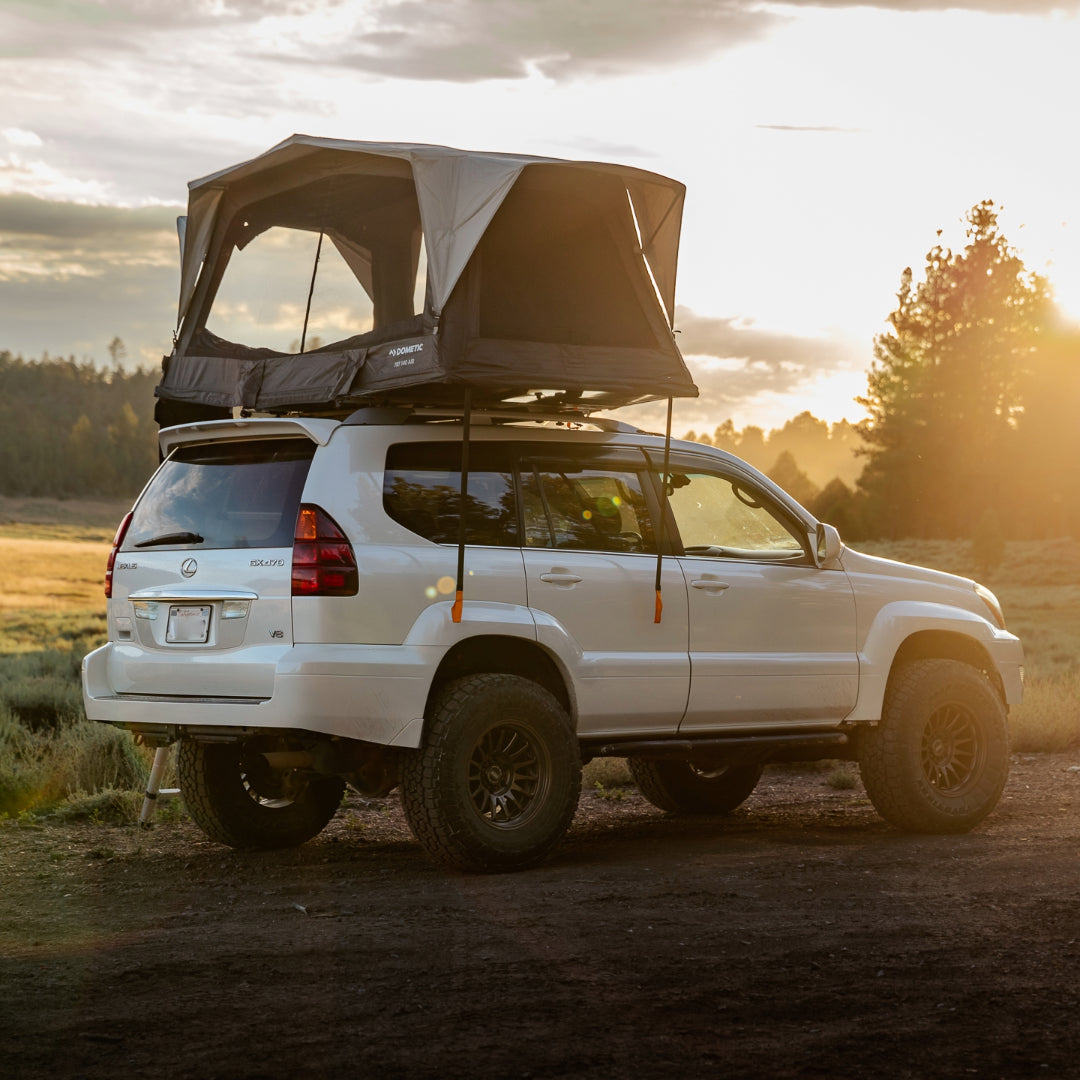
172,538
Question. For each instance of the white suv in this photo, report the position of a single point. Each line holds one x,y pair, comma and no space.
281,602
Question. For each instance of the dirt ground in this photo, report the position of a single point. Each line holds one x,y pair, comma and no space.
799,937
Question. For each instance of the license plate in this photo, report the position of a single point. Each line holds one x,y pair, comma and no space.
188,625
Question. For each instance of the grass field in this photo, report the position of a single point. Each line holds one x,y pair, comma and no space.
52,611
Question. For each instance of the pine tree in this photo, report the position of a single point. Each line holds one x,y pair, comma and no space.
945,393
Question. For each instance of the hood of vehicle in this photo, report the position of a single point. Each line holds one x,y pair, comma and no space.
858,562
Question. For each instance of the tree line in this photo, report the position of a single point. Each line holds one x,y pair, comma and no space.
70,428
972,404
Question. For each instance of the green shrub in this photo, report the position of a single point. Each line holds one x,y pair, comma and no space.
843,777
42,689
607,772
108,807
39,770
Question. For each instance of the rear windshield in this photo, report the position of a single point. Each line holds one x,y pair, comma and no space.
224,495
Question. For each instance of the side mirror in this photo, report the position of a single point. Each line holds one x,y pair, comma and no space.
829,547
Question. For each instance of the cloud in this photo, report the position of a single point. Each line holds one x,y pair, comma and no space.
735,364
778,358
26,216
73,276
473,40
477,40
454,40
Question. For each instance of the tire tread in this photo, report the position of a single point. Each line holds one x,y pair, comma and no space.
435,815
885,752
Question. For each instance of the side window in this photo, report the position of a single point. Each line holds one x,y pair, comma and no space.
422,491
593,509
716,516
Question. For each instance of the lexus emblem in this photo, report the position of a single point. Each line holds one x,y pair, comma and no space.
188,567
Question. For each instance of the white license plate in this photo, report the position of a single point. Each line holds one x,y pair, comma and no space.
188,625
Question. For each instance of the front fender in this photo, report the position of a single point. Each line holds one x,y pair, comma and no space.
959,634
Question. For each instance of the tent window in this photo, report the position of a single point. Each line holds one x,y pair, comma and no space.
264,292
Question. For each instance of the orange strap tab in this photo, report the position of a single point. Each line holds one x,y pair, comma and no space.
455,610
659,607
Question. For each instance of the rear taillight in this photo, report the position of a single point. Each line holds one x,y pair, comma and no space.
323,563
118,539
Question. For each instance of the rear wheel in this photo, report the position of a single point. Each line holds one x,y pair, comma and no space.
496,783
694,787
236,798
938,760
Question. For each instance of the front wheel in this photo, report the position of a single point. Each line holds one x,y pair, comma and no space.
496,782
235,797
694,787
938,760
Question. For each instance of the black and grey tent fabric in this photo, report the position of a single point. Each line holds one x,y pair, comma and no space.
521,278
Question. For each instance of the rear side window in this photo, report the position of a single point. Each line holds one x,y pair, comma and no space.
224,495
422,491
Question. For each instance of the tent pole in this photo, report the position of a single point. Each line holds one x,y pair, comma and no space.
459,596
666,480
311,291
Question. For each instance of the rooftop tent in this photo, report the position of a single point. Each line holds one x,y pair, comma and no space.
517,277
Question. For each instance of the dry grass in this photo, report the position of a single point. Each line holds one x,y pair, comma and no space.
52,571
51,575
59,518
1049,719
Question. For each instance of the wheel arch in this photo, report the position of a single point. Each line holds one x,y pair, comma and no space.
880,662
947,645
504,655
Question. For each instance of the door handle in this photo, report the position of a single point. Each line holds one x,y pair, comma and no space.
709,584
560,577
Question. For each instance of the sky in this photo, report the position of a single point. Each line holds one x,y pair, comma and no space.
824,146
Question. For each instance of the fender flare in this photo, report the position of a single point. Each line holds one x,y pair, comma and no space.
895,624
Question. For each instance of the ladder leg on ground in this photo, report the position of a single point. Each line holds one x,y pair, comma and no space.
153,786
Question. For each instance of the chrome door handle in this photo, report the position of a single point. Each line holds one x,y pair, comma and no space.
560,578
709,584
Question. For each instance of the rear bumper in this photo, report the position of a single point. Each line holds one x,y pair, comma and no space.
376,693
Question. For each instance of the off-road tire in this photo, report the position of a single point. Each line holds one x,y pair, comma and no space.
496,782
237,801
939,759
686,787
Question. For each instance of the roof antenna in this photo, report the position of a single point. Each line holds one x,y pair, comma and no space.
663,512
311,290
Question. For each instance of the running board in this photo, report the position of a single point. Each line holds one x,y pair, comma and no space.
808,746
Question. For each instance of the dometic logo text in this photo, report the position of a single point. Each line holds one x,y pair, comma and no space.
406,351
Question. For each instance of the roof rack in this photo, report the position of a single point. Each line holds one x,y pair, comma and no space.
380,415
